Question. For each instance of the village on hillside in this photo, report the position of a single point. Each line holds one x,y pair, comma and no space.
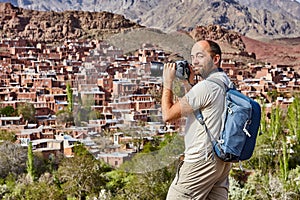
113,99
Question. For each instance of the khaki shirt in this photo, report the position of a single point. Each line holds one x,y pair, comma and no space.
209,98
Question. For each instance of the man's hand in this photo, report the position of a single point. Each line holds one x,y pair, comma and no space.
192,76
169,75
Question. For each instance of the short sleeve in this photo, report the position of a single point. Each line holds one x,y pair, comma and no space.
199,96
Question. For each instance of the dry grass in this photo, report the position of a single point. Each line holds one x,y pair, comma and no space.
172,42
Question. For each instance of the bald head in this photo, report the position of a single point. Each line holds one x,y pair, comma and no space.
212,47
206,56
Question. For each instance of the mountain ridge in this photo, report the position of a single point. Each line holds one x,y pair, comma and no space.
288,7
174,15
58,26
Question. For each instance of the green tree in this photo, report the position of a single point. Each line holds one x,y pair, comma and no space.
276,128
152,185
30,166
293,127
6,135
149,147
149,174
278,141
82,175
117,181
64,117
156,93
80,150
284,162
268,149
12,159
7,111
273,95
44,188
275,135
263,121
27,110
293,117
83,112
276,154
69,97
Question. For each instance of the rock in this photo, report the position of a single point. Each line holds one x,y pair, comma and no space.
215,32
58,26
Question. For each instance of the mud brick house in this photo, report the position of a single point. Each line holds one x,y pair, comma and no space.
229,67
47,140
61,144
50,147
12,122
90,95
149,53
115,159
42,132
56,102
105,82
14,104
136,107
46,120
119,87
26,95
97,125
41,108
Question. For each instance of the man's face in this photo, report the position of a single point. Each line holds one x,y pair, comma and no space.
202,62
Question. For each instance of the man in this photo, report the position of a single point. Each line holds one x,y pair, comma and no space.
201,175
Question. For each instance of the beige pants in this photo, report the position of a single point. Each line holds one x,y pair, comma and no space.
205,179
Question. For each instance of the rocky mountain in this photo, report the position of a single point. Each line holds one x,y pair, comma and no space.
274,18
58,26
129,36
279,51
234,46
50,26
288,7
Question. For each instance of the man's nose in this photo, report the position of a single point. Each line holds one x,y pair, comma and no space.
195,61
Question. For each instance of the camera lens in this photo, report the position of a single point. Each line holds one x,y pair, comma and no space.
156,68
182,69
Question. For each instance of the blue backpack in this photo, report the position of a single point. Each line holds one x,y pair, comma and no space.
242,116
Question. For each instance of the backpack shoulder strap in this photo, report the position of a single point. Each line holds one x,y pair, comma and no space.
222,84
210,137
218,82
198,114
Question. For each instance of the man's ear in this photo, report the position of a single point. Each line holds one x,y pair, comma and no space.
216,59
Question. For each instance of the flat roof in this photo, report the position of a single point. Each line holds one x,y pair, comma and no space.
39,141
113,154
10,118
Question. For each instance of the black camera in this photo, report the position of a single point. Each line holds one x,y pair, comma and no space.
182,69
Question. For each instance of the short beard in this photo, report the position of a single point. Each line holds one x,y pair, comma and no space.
204,74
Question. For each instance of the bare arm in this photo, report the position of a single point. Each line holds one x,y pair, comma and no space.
171,110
